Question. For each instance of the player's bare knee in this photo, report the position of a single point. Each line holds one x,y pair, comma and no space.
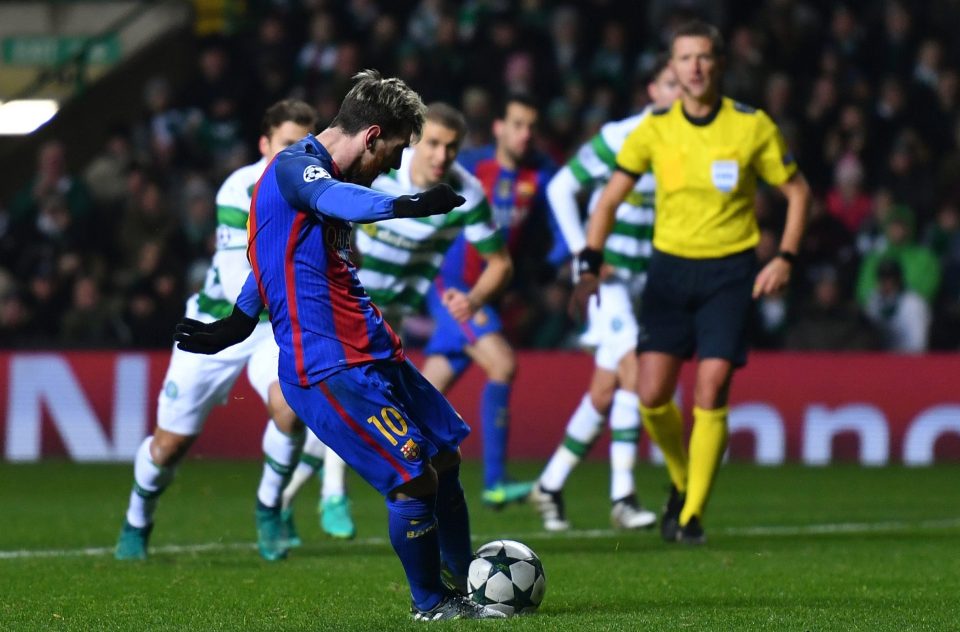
503,367
711,395
423,485
167,448
653,395
281,413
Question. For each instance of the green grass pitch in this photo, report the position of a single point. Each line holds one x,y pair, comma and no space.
791,548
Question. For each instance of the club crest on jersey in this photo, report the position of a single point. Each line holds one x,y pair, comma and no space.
410,450
313,172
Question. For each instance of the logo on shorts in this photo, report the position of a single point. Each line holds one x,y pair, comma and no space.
170,389
313,172
410,450
616,324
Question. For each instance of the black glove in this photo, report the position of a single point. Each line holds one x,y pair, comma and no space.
209,338
438,199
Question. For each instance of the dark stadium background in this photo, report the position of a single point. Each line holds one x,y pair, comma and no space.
160,100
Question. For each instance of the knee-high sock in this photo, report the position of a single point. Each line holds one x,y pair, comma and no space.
494,415
582,430
453,522
413,534
334,471
280,454
664,424
707,443
311,462
624,435
149,481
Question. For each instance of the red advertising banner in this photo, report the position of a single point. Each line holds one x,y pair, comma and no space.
808,408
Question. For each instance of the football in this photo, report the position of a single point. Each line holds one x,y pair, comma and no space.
508,576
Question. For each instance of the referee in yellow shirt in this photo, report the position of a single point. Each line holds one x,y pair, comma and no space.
706,152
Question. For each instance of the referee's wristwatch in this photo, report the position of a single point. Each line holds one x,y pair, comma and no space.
789,257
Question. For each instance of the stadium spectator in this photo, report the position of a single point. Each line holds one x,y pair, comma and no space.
827,321
919,268
901,315
876,81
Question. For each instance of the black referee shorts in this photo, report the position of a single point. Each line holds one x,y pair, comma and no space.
698,306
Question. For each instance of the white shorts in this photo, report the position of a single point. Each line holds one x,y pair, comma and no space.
195,383
612,324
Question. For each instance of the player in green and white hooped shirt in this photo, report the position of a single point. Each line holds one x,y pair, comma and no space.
399,258
195,383
612,319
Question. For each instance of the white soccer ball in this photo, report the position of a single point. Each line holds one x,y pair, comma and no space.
507,576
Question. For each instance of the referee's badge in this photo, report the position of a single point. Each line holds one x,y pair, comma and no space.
725,174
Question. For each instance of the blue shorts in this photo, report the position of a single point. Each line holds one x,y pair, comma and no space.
383,418
698,306
451,337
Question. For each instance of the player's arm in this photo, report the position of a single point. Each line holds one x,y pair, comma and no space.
589,260
209,338
775,164
306,184
562,197
776,274
494,278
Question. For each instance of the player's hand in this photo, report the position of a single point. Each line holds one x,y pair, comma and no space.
774,277
459,305
438,199
585,288
209,338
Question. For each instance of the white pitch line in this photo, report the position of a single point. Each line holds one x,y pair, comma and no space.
574,534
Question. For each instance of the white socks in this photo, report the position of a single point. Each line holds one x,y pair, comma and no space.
625,433
334,470
582,430
280,455
149,481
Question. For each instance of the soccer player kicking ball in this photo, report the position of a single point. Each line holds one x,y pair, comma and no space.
613,324
342,368
707,153
195,384
399,258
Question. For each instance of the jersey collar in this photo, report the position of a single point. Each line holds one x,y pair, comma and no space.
701,121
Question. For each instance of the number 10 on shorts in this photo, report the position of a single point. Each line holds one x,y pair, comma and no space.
390,418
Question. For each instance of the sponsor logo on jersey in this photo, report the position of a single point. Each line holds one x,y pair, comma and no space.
338,238
410,450
313,172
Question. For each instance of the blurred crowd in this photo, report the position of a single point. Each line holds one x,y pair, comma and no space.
867,94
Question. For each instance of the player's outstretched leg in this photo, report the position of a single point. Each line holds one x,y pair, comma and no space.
281,451
582,431
626,511
336,519
453,523
311,462
149,481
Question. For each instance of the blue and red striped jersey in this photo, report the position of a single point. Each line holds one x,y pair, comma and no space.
516,197
299,249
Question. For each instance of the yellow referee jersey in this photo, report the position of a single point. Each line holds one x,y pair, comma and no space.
706,172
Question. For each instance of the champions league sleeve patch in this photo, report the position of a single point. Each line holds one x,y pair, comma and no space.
313,172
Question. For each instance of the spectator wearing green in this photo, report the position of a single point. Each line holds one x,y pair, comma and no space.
921,269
